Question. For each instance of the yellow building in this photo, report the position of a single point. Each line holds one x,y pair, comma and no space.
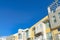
47,28
31,33
51,33
41,30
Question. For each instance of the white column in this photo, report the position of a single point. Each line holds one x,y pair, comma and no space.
44,32
49,10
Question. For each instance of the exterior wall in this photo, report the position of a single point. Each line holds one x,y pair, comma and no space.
44,32
48,30
46,24
16,36
54,19
31,31
38,28
54,32
38,31
57,23
2,38
42,29
22,34
12,37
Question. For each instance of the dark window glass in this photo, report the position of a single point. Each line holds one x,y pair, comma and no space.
49,36
27,33
19,36
58,29
54,19
59,15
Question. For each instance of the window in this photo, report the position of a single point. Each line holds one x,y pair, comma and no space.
47,24
54,19
49,36
40,25
34,29
58,29
27,33
59,14
19,36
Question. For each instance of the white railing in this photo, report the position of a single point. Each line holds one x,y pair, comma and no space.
37,30
54,5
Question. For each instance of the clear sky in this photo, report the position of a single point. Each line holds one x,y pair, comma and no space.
16,14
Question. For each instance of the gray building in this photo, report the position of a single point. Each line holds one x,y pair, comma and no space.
54,14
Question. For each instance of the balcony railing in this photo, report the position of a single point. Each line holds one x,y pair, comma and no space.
38,31
54,6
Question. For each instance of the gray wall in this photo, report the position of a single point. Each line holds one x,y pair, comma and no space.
57,24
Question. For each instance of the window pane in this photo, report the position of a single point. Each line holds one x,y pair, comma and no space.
59,15
20,36
49,36
58,29
54,19
27,33
47,24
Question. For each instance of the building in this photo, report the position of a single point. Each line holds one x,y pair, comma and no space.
23,34
47,28
31,33
46,23
12,37
54,19
41,30
3,38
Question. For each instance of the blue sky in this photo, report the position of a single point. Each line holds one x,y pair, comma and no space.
16,14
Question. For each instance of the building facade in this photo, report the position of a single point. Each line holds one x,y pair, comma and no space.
42,30
47,28
54,19
12,37
3,38
23,34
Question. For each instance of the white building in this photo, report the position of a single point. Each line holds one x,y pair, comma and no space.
22,34
12,37
2,38
40,33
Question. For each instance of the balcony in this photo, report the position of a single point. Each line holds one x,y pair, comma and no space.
29,39
38,29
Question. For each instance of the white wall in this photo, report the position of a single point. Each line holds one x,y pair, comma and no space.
3,38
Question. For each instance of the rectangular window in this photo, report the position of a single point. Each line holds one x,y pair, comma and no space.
27,33
47,24
59,15
34,29
58,29
49,36
54,19
19,36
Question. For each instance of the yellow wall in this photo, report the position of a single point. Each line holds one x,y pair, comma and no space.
31,33
47,30
17,37
54,32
